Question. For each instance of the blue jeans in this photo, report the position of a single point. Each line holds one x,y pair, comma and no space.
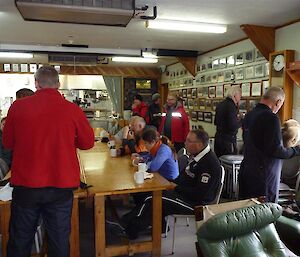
55,208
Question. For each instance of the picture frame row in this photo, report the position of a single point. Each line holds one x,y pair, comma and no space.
252,55
201,116
248,89
24,67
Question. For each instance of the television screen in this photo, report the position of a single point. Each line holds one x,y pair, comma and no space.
143,84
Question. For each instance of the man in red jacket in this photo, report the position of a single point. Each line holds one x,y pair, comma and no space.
44,131
175,122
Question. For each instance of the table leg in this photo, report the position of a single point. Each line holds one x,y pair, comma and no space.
74,236
4,225
99,202
156,223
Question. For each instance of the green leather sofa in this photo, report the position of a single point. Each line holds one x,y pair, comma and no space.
243,232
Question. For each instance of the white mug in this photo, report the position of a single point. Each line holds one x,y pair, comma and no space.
113,152
111,144
142,167
139,177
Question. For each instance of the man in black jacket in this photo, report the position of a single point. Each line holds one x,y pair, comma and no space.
227,123
196,185
154,111
261,167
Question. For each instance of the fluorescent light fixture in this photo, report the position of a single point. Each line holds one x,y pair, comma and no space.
134,59
16,55
186,26
149,54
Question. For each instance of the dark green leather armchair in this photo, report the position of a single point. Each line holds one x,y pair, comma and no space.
243,232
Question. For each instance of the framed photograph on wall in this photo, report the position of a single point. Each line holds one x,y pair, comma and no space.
246,89
6,67
258,55
256,89
230,61
222,63
198,67
199,92
239,59
249,72
214,104
208,104
208,117
209,66
243,105
24,67
202,79
194,116
219,91
202,103
225,89
220,77
214,78
258,71
203,67
185,103
200,116
184,93
265,85
248,56
267,68
189,92
208,78
227,75
239,74
212,91
215,64
205,91
196,106
15,67
194,92
190,103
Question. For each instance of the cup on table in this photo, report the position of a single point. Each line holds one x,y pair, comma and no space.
111,144
142,167
113,152
139,177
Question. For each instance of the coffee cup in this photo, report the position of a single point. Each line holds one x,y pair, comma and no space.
113,152
111,144
139,177
142,167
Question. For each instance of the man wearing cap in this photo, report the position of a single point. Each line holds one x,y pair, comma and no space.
155,111
140,108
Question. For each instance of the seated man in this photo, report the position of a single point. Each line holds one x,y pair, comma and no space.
134,143
196,185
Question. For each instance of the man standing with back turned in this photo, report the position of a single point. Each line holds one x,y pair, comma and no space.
44,131
261,167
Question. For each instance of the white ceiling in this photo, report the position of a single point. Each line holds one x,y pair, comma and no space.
14,30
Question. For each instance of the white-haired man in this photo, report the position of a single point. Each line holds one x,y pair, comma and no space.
227,122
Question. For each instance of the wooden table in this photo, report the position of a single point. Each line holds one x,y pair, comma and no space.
74,236
110,176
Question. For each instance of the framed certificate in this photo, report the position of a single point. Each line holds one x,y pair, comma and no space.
256,89
219,91
246,89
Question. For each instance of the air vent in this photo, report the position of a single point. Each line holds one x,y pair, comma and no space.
73,59
95,12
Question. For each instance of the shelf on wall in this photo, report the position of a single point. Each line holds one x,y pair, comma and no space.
293,71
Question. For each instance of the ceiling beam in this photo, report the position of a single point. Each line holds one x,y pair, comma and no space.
189,63
262,37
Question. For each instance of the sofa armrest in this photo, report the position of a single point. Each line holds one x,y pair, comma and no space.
289,232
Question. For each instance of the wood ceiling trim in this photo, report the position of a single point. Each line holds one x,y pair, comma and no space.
189,63
262,37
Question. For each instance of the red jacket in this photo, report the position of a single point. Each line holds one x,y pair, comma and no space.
141,110
44,131
180,125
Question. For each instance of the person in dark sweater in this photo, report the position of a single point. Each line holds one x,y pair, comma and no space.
196,185
227,123
260,170
154,111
